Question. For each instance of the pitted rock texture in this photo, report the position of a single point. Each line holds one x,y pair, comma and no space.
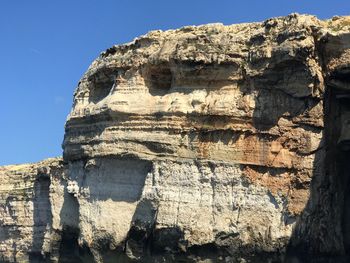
219,143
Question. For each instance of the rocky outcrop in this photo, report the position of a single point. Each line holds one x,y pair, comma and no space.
211,142
31,198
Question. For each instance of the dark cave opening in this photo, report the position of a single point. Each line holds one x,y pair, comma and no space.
338,129
344,171
343,162
101,84
100,90
158,79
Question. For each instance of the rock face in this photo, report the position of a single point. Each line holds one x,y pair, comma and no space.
212,142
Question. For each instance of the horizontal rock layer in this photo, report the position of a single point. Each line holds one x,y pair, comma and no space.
210,142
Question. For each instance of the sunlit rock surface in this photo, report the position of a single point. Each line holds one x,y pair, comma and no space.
219,143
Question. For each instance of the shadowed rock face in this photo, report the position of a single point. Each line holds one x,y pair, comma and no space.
211,142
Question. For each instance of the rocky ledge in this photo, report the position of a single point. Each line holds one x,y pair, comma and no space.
206,143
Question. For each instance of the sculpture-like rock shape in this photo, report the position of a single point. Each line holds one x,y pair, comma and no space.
209,142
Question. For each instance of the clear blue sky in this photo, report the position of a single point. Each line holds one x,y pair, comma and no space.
46,45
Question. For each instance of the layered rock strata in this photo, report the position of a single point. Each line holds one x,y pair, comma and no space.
212,142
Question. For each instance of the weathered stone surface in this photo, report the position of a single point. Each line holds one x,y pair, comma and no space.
31,197
210,142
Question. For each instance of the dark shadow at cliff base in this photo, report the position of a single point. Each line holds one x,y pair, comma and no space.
146,243
70,251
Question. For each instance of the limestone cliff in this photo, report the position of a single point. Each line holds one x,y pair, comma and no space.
212,142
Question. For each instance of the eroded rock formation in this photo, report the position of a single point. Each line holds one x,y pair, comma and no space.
209,142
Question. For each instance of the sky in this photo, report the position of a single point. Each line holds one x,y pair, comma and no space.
46,46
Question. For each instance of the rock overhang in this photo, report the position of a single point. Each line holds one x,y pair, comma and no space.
197,80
